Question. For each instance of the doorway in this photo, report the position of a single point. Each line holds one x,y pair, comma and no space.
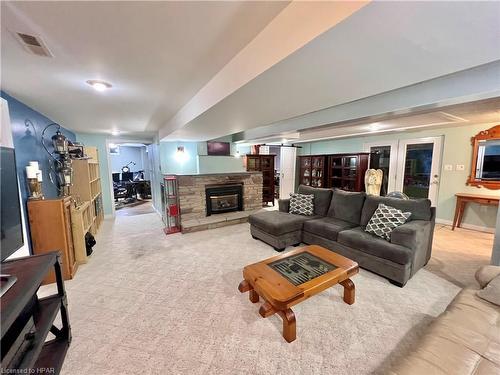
130,173
411,166
418,170
383,155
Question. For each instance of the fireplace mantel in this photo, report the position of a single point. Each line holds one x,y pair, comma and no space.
219,174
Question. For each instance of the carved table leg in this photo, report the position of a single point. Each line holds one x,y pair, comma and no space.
244,286
461,213
266,310
253,296
289,324
349,291
457,212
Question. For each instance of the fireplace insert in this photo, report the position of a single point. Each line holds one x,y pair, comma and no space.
224,198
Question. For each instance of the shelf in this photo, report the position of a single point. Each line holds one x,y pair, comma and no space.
46,312
30,271
51,356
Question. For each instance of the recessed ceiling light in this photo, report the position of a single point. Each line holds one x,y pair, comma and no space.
99,85
375,126
115,132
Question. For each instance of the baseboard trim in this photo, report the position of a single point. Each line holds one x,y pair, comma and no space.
467,226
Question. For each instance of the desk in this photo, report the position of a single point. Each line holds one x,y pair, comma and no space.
464,198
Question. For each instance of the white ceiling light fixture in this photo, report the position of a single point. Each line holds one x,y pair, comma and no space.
115,132
375,126
99,85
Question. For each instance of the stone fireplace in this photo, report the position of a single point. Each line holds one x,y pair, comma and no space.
224,198
197,199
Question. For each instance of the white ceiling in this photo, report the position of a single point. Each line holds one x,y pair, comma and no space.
157,55
485,112
381,47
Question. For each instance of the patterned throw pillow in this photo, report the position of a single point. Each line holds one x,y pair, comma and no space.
301,204
385,219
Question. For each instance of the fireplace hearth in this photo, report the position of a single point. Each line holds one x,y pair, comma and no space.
224,198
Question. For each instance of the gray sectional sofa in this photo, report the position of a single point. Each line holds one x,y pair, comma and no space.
338,224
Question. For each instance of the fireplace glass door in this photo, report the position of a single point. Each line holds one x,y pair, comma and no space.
224,202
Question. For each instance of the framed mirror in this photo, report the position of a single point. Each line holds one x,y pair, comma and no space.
485,167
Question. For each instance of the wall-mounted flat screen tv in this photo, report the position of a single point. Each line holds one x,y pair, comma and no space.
11,231
218,148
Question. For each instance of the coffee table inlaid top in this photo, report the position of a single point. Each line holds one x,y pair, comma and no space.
273,280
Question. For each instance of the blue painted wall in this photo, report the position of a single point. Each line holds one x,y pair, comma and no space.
169,163
126,155
27,126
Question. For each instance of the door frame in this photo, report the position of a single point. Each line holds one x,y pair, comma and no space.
293,168
435,167
393,160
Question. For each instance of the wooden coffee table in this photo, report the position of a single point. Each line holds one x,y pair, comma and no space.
288,279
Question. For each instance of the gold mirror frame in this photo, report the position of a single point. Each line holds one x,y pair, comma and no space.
484,135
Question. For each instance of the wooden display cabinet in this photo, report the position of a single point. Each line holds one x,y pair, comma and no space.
347,171
264,164
312,169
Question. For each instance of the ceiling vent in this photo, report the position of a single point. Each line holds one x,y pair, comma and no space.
33,44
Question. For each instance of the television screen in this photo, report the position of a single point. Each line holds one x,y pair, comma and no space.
11,235
219,148
491,167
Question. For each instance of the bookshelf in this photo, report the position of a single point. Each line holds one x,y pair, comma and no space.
87,191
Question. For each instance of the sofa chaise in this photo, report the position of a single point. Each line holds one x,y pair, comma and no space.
339,223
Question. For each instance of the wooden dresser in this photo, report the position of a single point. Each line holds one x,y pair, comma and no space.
264,164
50,226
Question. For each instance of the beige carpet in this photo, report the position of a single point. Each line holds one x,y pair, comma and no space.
151,304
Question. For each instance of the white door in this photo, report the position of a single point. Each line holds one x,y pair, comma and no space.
288,161
384,156
418,167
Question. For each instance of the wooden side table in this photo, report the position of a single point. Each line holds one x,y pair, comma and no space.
464,198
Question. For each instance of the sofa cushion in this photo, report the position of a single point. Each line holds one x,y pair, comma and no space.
301,204
358,239
486,273
278,223
322,198
420,208
385,219
327,227
347,205
491,292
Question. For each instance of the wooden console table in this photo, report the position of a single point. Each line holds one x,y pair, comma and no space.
464,198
